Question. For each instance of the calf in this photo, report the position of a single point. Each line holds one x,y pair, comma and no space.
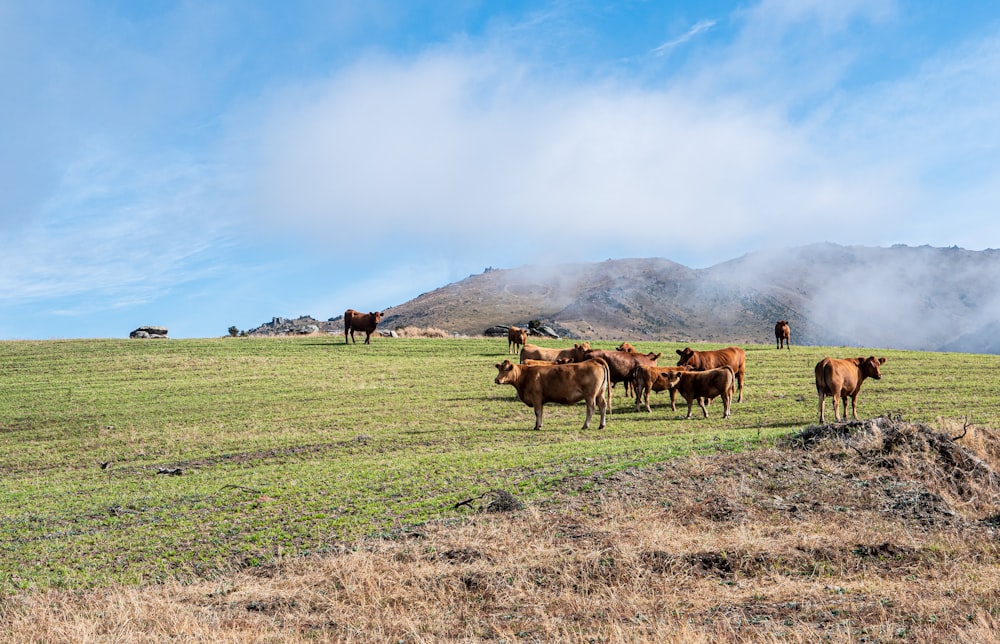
703,386
842,378
734,357
357,321
564,384
572,354
516,337
646,379
783,334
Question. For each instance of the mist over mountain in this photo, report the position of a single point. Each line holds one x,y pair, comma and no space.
923,298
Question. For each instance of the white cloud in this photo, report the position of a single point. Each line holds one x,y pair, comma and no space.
451,149
698,28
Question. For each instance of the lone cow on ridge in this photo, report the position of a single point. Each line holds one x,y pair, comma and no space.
357,321
783,335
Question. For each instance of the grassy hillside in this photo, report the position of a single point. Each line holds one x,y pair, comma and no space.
288,446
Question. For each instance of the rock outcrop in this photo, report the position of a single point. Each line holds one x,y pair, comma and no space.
144,332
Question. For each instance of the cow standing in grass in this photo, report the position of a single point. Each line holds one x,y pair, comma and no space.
734,357
516,337
357,321
646,379
574,353
842,378
622,364
564,384
703,386
783,334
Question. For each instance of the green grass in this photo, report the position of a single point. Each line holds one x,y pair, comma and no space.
289,446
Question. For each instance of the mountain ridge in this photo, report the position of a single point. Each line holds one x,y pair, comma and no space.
905,297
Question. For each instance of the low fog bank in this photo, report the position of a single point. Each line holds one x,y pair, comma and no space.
903,297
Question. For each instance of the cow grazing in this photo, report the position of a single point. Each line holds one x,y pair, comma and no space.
357,321
734,357
516,337
841,378
646,379
571,354
622,364
564,384
703,386
783,335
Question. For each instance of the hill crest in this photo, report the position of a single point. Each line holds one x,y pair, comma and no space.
903,297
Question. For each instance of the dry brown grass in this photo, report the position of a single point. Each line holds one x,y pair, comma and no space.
421,332
855,532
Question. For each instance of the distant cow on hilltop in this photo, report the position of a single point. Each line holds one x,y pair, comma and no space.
783,334
357,321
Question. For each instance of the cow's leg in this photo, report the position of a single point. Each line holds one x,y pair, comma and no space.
739,378
690,403
673,400
727,401
821,398
591,403
836,411
538,416
854,407
704,409
346,330
602,404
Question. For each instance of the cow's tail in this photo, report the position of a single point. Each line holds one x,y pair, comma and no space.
732,380
607,382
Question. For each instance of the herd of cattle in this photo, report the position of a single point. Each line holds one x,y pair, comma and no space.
579,373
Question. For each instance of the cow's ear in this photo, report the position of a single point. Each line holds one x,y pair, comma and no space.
679,352
881,360
498,365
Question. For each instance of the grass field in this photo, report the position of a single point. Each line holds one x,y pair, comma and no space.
293,446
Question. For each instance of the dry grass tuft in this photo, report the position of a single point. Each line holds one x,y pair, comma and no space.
872,531
422,332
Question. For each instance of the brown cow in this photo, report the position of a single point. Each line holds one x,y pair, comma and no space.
516,337
564,384
357,321
646,379
734,357
544,363
626,347
703,386
783,334
842,378
571,354
622,364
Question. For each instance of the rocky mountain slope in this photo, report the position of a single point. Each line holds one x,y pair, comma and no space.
903,297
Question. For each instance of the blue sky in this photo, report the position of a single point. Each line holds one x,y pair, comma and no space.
201,165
